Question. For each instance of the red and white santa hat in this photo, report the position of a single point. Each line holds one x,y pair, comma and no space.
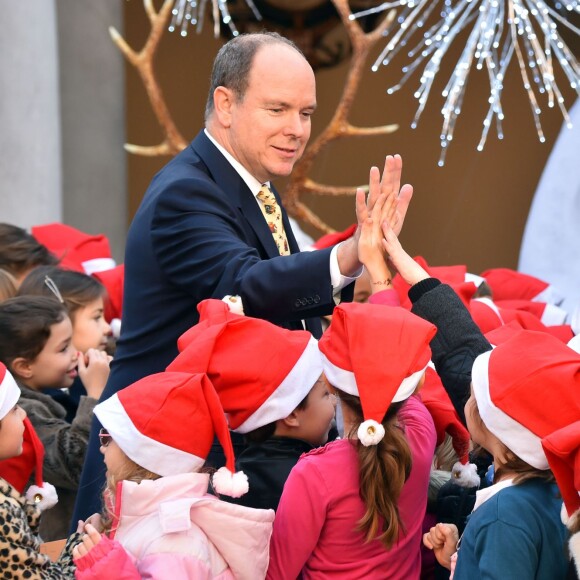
19,469
485,314
527,388
260,371
333,238
9,391
562,449
447,422
113,280
548,314
377,353
574,343
507,284
166,423
76,250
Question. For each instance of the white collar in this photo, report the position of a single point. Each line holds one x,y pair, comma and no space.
482,495
253,184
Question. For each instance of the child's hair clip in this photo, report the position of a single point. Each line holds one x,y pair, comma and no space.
53,288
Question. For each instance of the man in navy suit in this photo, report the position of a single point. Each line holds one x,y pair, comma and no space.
200,231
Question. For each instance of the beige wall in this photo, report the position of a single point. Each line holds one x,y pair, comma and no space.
471,211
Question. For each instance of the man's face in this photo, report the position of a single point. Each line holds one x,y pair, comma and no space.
270,126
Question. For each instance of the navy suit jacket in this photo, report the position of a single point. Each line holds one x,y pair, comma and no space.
199,233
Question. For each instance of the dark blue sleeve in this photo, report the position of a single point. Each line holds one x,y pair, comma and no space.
202,247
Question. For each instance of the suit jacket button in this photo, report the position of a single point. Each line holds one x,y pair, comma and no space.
298,303
316,299
310,300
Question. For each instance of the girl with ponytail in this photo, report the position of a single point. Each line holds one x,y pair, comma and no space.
354,508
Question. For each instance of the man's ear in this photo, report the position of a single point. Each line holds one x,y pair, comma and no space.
223,101
21,367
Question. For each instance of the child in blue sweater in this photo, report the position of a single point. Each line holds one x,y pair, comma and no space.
513,399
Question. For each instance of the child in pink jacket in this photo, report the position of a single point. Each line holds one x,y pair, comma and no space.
159,521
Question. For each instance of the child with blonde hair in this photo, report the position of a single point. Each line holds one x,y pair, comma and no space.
7,285
160,521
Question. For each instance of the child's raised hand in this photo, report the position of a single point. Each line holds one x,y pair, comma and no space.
409,270
94,371
94,520
442,539
91,538
370,248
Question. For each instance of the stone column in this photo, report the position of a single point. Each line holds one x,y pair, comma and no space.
30,146
94,178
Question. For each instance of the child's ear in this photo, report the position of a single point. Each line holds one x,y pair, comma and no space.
292,421
21,367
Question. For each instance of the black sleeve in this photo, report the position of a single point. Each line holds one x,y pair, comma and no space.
458,341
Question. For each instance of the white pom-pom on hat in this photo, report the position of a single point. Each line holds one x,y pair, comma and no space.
44,497
116,327
465,474
370,432
350,353
235,304
231,484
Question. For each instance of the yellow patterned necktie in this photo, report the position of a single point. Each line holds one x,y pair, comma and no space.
273,215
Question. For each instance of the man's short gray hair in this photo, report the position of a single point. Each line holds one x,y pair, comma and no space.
232,65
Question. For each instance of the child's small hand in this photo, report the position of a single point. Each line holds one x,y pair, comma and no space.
91,538
94,371
94,520
370,249
409,270
442,539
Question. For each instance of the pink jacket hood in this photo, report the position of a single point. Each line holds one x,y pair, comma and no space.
240,534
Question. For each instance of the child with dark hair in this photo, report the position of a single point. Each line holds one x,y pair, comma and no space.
36,345
279,401
84,298
20,252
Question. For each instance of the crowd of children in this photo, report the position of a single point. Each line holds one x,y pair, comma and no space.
431,433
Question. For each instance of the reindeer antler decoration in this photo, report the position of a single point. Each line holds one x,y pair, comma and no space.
173,142
338,127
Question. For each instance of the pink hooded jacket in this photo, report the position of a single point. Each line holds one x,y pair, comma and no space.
171,528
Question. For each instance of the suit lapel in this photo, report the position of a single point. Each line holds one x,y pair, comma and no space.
227,178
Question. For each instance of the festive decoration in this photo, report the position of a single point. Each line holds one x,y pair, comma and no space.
339,127
191,12
499,29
